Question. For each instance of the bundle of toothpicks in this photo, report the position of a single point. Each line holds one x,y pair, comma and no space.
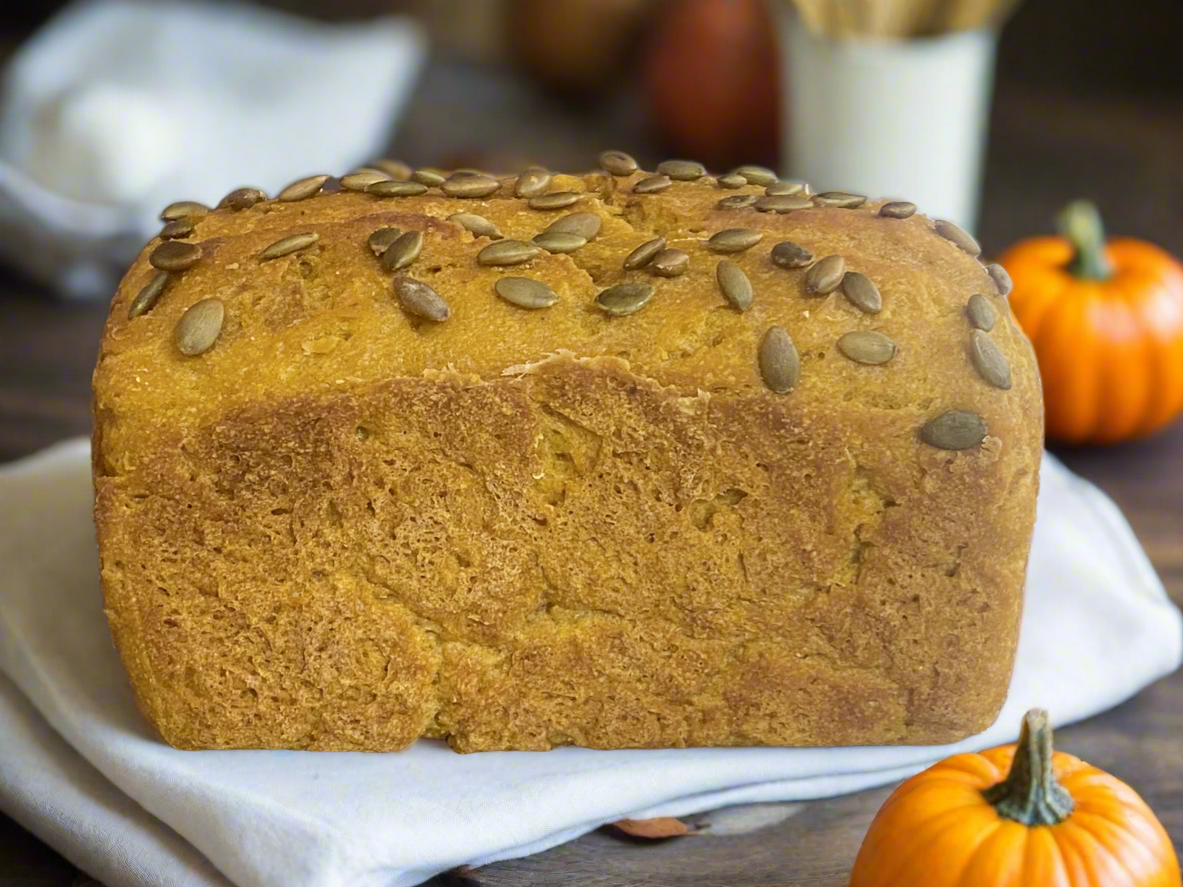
900,18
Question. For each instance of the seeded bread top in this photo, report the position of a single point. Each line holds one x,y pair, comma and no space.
737,286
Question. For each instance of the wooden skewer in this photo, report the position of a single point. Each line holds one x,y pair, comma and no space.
899,18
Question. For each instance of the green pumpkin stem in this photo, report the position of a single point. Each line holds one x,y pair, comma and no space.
1080,223
1030,793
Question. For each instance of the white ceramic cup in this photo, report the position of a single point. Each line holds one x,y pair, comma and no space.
890,118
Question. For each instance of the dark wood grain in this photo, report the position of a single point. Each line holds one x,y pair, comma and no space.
26,862
1044,150
47,351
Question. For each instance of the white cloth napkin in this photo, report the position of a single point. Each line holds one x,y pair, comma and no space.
84,772
117,108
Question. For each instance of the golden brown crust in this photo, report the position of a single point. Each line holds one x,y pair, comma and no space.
343,527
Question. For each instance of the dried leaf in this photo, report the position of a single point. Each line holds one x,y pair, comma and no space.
744,819
653,829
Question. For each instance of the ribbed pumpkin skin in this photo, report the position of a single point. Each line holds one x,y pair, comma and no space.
937,830
1110,352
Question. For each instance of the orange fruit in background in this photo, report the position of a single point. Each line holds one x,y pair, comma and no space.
710,77
582,48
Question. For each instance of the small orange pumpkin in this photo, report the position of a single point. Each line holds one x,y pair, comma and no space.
1052,821
1106,321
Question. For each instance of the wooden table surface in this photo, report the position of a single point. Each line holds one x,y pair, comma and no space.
1043,151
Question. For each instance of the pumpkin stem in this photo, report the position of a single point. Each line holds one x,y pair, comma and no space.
1080,224
1030,794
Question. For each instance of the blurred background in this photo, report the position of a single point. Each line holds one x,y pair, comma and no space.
995,113
992,112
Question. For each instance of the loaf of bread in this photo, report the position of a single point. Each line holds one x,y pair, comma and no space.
621,460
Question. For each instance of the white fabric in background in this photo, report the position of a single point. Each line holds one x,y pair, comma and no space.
116,108
112,798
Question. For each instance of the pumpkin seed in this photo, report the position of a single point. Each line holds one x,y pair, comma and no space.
427,177
624,298
737,201
241,198
787,254
419,299
954,430
199,326
183,209
861,292
841,199
981,315
681,170
172,255
553,200
531,183
780,365
825,276
362,179
897,209
756,175
403,250
586,225
734,285
381,239
1001,278
731,181
177,228
288,245
388,188
989,360
525,292
782,203
734,240
396,169
559,241
670,263
784,189
652,184
867,346
302,189
148,295
507,252
477,225
469,186
618,163
957,237
643,254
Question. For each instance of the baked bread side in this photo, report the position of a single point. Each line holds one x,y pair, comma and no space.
357,485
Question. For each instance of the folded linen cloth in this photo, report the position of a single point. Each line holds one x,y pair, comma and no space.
83,771
116,108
